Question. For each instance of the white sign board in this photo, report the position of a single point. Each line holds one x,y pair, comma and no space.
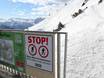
39,51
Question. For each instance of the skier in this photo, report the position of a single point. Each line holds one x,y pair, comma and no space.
84,2
80,11
75,14
100,1
60,26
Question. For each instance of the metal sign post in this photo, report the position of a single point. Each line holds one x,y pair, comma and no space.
61,54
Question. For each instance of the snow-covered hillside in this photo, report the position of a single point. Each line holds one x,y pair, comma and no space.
85,57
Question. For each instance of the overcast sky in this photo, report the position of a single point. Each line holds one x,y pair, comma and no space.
28,8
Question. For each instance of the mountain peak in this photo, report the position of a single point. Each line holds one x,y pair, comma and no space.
18,23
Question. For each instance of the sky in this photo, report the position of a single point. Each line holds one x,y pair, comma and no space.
28,8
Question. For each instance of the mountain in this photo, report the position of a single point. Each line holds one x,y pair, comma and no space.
84,23
18,23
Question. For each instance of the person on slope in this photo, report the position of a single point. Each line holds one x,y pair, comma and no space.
100,1
84,2
60,26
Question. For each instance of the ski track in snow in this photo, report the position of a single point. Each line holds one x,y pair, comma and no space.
85,52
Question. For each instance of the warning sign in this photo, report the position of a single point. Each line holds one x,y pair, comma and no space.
43,51
32,49
39,50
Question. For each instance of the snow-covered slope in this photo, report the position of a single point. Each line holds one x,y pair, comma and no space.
85,57
62,15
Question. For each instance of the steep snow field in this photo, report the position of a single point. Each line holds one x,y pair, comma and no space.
85,53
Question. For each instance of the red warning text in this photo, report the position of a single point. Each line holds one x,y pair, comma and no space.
38,40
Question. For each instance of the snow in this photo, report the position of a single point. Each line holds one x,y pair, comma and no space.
85,57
